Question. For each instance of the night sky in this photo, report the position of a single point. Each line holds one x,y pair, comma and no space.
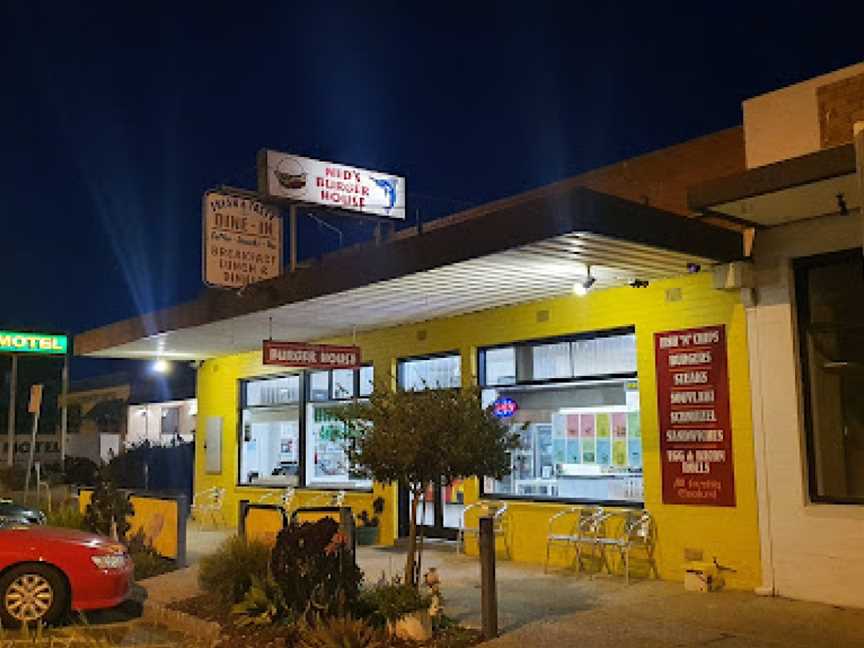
116,118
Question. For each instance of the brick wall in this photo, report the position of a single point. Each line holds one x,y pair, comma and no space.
841,104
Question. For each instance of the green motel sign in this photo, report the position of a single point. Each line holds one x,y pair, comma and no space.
33,343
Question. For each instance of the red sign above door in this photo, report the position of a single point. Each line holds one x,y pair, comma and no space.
693,409
311,356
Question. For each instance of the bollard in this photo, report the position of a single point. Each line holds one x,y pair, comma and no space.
488,586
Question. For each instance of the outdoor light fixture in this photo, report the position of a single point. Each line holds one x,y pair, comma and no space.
161,366
581,288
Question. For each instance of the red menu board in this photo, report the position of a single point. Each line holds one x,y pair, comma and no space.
693,408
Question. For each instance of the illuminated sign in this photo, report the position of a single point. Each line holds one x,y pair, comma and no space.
305,180
38,343
312,356
242,240
504,407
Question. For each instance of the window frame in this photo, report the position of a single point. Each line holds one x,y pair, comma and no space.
242,405
801,267
400,367
575,380
302,402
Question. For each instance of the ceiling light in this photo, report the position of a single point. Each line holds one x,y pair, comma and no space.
161,366
581,287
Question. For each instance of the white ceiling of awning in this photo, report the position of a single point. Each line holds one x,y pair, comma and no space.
532,272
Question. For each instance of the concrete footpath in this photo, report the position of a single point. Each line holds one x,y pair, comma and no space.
568,609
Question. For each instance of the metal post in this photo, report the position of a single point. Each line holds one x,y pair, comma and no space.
488,588
13,390
32,453
292,227
64,412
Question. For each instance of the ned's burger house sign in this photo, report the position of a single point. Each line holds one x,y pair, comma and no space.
307,180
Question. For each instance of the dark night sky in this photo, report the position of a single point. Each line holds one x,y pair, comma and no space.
116,118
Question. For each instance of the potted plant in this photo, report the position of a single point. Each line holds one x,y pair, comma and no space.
367,527
402,609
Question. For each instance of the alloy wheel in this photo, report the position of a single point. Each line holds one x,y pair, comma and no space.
29,597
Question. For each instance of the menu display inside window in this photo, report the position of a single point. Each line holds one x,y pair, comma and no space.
693,409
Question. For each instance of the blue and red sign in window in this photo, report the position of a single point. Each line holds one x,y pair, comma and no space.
504,407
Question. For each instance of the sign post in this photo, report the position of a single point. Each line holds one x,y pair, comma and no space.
13,391
694,415
34,407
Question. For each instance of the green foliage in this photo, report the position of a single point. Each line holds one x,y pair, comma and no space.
146,559
263,603
387,601
418,438
314,568
68,516
228,573
340,632
108,506
80,470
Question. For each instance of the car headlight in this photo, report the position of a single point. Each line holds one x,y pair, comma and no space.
109,561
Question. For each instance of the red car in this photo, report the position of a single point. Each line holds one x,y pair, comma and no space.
46,571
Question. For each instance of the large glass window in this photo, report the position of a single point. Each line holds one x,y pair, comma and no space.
831,334
270,431
575,407
327,461
439,372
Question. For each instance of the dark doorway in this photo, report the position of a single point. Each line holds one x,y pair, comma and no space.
443,511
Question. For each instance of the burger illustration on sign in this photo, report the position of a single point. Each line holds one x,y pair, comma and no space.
290,174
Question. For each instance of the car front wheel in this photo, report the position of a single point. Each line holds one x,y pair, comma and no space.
32,594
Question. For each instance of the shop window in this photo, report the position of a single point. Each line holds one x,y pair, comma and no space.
327,461
439,372
831,337
366,382
581,438
270,431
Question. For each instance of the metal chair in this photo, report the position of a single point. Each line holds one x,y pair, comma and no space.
555,534
638,531
210,500
500,523
592,523
583,526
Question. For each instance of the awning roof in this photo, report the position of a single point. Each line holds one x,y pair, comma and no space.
783,192
524,251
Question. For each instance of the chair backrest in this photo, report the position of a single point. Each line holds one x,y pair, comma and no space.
639,527
592,519
572,515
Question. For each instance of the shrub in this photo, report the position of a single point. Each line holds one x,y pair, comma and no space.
340,632
146,559
263,604
108,506
68,516
79,470
13,478
387,601
315,569
228,572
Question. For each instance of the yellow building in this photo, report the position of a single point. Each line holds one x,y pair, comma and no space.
488,298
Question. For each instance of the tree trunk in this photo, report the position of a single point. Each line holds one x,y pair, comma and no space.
412,540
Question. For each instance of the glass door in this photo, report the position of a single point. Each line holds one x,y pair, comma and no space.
439,512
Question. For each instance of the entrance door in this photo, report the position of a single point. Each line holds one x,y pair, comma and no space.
442,514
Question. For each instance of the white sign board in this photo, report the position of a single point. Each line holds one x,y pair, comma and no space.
305,180
242,240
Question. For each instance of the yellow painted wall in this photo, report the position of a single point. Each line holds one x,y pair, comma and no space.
729,534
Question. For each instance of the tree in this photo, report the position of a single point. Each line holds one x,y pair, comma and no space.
109,509
417,438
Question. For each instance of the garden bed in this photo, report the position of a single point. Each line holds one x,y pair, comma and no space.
210,608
